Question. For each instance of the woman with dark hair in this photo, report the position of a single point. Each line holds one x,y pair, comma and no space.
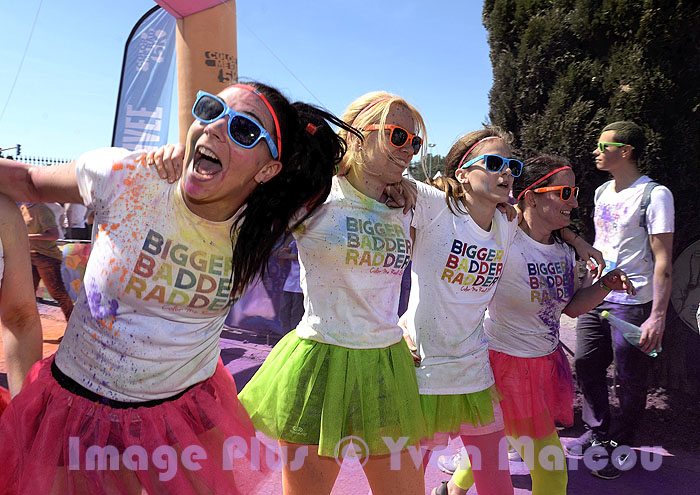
138,376
538,282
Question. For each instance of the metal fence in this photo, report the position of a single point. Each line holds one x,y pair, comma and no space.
42,160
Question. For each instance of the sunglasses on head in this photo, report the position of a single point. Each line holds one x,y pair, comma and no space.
495,163
564,191
243,130
399,136
602,146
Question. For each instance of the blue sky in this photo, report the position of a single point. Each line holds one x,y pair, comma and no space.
433,53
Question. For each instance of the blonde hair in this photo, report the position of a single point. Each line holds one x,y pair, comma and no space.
373,108
453,189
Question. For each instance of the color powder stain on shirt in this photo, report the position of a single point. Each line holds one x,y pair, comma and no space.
98,311
554,298
609,219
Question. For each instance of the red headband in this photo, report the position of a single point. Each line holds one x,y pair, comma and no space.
474,146
368,107
541,179
272,112
372,104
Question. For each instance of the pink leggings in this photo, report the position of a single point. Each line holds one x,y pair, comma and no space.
488,456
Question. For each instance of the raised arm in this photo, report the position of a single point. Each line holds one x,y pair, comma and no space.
21,327
54,183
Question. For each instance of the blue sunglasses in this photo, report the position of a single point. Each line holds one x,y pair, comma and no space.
495,163
242,130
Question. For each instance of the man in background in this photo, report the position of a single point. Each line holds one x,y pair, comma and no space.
634,230
45,255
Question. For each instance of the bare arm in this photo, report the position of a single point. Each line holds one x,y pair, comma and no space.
587,298
653,327
584,250
21,327
22,182
47,235
402,194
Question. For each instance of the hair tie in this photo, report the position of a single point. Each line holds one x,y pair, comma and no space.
474,146
253,90
311,129
541,179
370,106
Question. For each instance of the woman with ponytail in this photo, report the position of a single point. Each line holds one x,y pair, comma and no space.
537,283
461,243
137,378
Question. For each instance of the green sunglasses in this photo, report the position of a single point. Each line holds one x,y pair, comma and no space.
601,146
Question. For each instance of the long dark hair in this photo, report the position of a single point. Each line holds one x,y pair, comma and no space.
311,150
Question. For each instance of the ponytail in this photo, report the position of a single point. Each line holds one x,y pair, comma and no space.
311,151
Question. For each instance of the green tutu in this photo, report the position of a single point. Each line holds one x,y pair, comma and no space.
311,393
449,414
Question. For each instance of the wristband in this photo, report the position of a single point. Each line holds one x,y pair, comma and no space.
602,284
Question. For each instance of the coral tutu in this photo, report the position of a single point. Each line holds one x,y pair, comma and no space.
4,399
56,442
537,392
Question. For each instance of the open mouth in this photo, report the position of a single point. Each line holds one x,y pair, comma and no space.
565,212
206,163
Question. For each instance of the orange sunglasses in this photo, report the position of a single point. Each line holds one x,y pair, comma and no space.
399,136
565,192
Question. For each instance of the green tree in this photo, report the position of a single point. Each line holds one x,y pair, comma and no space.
565,68
436,163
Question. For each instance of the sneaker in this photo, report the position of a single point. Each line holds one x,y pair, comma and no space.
578,446
449,463
611,470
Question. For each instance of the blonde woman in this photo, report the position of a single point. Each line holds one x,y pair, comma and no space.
345,371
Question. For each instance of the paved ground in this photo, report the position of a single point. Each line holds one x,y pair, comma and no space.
243,353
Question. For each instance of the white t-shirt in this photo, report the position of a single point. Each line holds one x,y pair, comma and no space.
75,215
623,242
537,283
352,254
455,268
57,210
156,290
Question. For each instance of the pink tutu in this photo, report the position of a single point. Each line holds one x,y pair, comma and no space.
4,399
537,392
56,442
